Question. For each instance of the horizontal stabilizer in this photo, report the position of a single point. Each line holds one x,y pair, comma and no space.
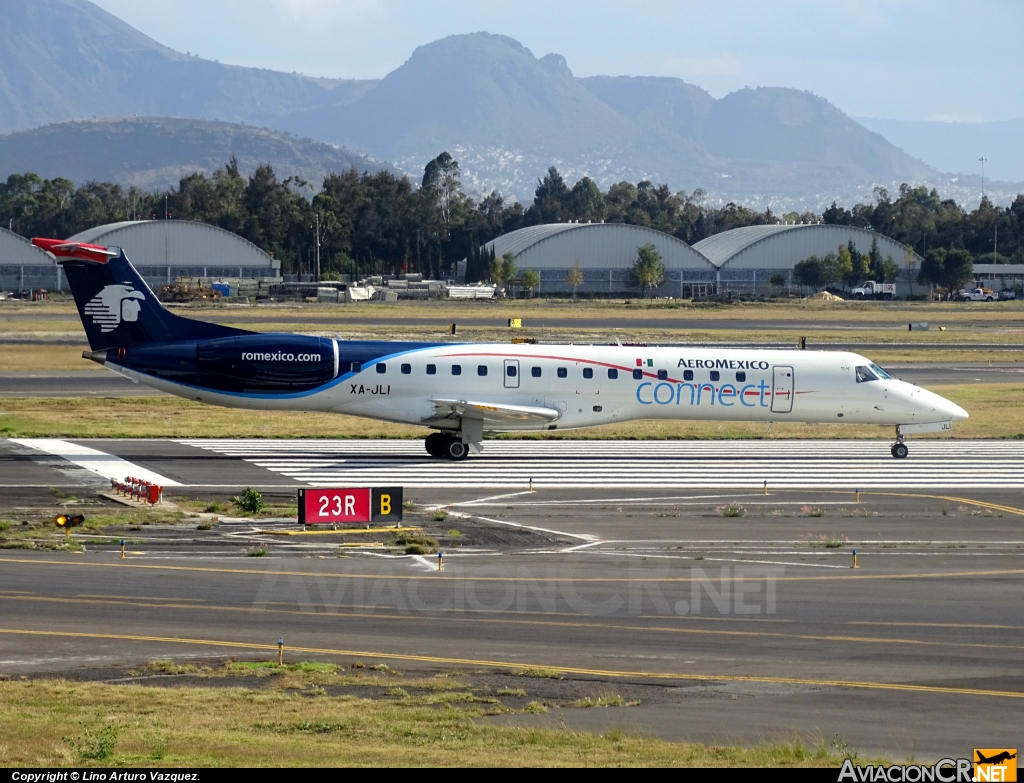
491,413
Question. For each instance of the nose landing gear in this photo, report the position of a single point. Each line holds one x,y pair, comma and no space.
899,449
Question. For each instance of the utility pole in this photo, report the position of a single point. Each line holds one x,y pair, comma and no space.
983,159
318,247
165,206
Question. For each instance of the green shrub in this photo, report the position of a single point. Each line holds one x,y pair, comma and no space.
249,501
95,744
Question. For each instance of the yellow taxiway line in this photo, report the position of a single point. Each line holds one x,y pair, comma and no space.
519,665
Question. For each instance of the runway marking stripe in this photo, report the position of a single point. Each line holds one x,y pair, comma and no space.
449,617
94,460
519,665
447,574
585,464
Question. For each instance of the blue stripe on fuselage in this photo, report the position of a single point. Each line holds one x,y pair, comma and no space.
368,354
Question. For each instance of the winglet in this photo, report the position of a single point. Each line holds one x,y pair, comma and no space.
81,251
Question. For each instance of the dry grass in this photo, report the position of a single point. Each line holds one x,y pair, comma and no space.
48,723
997,411
44,357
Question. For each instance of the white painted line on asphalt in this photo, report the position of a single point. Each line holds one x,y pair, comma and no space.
95,461
581,536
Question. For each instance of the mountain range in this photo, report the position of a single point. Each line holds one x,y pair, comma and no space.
156,152
504,113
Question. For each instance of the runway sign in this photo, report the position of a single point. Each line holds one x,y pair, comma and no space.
337,506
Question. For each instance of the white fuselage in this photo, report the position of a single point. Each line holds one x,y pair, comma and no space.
592,385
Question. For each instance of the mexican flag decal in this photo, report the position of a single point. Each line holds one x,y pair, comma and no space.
640,362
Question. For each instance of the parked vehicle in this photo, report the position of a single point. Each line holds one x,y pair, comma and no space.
1007,294
873,290
976,295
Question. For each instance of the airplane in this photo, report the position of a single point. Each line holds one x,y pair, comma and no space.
996,759
465,391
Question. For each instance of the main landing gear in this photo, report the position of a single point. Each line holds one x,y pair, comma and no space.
899,449
439,444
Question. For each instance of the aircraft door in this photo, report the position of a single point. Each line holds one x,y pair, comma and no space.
782,389
511,373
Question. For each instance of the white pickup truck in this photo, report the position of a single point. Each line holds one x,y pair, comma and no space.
873,290
976,295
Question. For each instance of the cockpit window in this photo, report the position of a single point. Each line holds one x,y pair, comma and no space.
880,372
865,374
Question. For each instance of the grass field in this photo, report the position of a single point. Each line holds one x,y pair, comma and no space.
997,411
298,716
945,313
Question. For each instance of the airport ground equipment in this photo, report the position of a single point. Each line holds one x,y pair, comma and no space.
873,290
466,391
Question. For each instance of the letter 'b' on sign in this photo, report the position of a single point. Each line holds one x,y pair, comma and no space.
336,506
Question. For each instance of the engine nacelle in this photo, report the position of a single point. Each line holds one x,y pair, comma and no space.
271,362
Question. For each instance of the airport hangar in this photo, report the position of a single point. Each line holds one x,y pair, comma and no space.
740,260
161,250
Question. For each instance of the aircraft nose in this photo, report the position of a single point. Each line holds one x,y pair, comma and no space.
953,410
939,407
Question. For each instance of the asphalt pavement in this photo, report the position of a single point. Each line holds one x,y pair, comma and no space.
746,627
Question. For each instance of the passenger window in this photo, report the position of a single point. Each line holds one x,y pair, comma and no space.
381,368
357,367
687,375
431,369
481,369
588,372
406,369
456,369
715,375
613,374
662,375
535,372
562,372
638,374
510,371
741,377
864,374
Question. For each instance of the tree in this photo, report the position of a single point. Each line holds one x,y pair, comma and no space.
530,280
551,197
844,264
575,277
648,269
876,261
890,270
777,281
829,266
808,272
503,270
586,202
949,270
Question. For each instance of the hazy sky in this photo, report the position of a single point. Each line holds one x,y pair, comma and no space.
900,59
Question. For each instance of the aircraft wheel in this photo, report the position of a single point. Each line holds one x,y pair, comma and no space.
455,449
900,450
434,444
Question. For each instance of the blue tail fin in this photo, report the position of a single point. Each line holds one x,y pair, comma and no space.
117,308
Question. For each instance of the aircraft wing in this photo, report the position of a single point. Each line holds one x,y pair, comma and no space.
492,413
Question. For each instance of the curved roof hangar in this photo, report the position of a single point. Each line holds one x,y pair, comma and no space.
783,246
595,245
178,243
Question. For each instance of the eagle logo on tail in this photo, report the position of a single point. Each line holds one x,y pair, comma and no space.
114,304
